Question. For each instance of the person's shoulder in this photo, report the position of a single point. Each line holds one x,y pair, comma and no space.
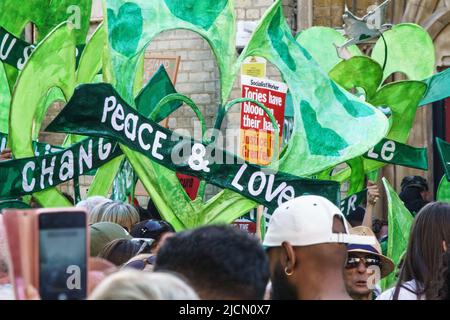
386,295
407,292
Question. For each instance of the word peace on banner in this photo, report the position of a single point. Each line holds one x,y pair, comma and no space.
97,110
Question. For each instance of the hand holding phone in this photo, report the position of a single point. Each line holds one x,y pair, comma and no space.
50,252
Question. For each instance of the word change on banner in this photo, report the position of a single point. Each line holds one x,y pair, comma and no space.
98,110
40,149
28,175
394,152
257,136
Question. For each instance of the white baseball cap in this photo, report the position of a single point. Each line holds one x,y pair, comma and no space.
306,221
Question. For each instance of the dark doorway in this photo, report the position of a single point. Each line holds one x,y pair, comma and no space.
441,129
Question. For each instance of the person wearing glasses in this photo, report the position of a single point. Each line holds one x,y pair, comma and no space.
365,266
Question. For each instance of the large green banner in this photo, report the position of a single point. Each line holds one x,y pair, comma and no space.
29,175
391,151
97,110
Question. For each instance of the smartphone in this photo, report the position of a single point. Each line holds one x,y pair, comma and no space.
62,254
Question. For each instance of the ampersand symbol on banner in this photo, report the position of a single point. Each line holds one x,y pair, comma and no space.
196,161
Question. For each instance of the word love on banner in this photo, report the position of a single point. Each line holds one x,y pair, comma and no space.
350,203
444,153
29,175
98,110
390,151
13,50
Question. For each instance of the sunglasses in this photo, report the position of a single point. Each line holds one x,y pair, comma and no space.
141,264
353,262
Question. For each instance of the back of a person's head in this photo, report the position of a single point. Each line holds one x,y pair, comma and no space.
90,203
356,217
118,212
120,251
220,262
152,229
444,280
138,285
424,255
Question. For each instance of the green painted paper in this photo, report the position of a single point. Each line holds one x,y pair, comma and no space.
358,72
443,192
320,43
54,61
410,51
316,100
443,148
400,221
154,91
438,87
5,100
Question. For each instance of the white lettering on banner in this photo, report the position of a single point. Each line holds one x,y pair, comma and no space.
3,144
351,204
287,194
131,120
118,115
235,182
4,52
130,126
67,166
145,126
388,147
271,195
85,158
103,150
26,55
47,171
251,183
284,191
156,145
109,105
27,187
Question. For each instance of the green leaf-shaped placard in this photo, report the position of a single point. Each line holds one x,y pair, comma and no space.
410,50
320,43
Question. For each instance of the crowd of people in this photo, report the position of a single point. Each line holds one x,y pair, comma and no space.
310,251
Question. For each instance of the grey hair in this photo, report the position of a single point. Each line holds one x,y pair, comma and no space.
137,285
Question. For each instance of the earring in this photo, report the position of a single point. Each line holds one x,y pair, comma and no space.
288,273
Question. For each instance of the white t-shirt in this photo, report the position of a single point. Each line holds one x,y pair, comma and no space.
407,292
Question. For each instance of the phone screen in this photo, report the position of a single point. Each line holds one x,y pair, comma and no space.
62,256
